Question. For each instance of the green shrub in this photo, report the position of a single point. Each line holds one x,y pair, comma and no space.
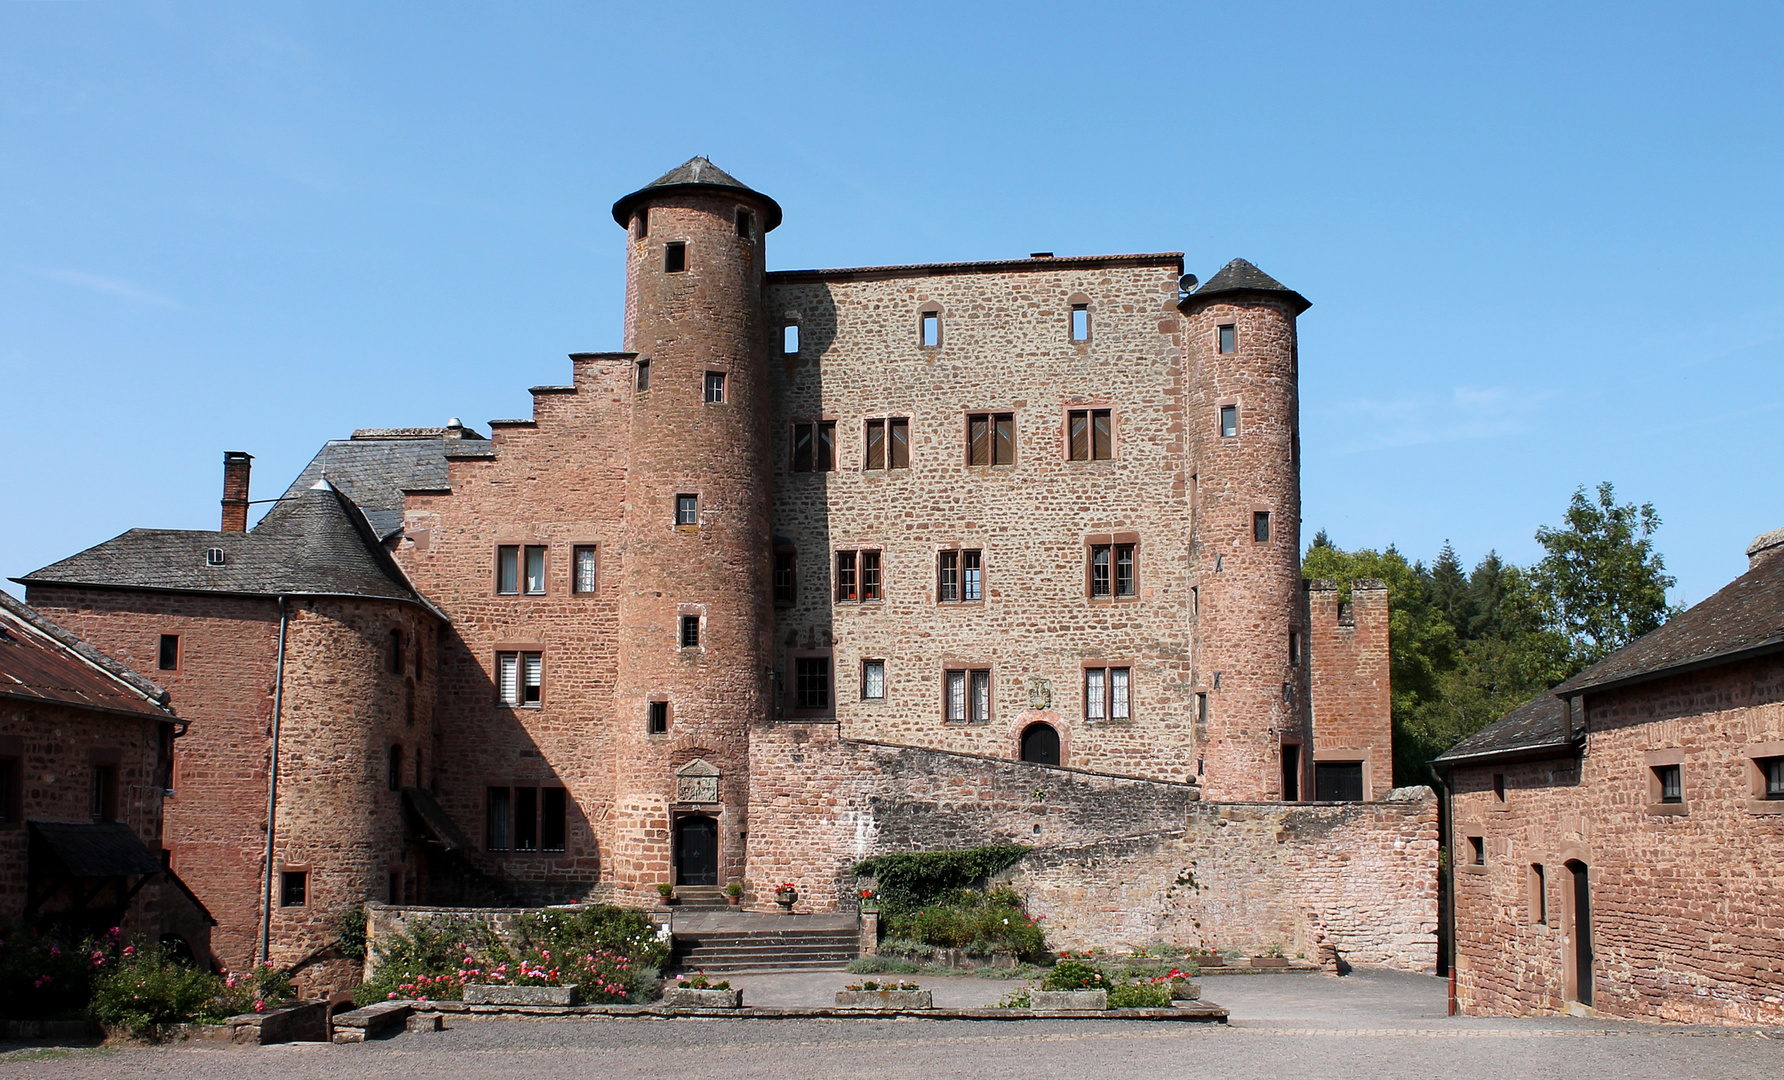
910,880
1140,996
352,930
979,923
146,985
1074,975
46,974
880,965
427,955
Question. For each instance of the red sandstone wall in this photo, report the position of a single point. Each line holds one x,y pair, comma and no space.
1352,694
1686,900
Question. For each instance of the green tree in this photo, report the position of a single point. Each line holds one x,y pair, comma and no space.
1604,582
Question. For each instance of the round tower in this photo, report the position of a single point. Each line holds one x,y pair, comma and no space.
695,625
1250,651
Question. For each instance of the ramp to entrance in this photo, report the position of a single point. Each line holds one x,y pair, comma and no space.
722,941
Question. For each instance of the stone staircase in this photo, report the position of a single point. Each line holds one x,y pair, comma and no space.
706,897
751,948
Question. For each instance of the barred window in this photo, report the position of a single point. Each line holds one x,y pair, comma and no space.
690,631
584,558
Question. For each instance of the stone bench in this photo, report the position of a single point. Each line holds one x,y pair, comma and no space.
373,1021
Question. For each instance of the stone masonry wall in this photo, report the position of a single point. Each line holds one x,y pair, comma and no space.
1360,877
1685,899
1352,694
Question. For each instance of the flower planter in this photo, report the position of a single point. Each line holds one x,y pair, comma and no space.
1184,990
1208,960
786,900
1269,962
885,999
686,998
501,994
1071,999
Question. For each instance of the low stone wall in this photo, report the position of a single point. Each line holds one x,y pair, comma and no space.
1358,877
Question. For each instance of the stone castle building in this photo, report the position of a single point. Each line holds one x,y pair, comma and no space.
824,563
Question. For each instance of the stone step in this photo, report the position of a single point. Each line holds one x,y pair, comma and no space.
802,952
797,937
722,966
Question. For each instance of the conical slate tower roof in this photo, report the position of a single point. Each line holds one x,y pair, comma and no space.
697,174
1240,276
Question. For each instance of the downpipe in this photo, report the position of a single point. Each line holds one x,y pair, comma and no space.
272,793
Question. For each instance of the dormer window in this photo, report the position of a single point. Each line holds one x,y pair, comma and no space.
213,556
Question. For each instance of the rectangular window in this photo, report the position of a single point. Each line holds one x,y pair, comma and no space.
1229,339
1539,894
1106,694
675,257
931,329
1260,526
786,579
1294,642
659,717
968,693
1124,570
870,575
888,444
520,678
498,819
846,588
103,794
1672,788
1201,711
1477,851
690,631
745,221
1229,421
1118,697
393,768
526,819
1092,435
12,790
790,339
876,444
584,558
535,580
553,802
980,706
947,581
393,657
715,388
643,222
169,659
972,577
1772,769
1080,322
990,439
507,570
687,509
294,888
960,576
955,705
1499,788
1291,772
814,446
532,673
811,678
1338,781
643,376
1100,557
873,680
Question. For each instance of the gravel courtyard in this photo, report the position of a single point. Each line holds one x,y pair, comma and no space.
1368,1026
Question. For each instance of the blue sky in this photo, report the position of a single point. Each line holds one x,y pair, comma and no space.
1543,243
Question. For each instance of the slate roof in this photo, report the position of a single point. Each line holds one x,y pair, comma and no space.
376,465
96,849
317,543
1240,276
1745,618
40,661
696,174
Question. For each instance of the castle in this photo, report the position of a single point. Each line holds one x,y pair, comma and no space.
824,563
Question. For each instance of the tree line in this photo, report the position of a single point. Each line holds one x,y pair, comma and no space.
1467,647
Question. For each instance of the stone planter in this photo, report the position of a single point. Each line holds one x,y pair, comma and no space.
500,994
1208,960
1071,999
786,900
1269,962
885,999
1184,990
686,998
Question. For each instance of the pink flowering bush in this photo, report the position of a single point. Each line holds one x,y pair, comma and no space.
45,973
147,985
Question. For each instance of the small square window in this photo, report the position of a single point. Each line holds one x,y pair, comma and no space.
507,570
715,388
1080,322
873,680
690,631
745,224
1260,526
811,682
659,717
643,376
294,888
1671,783
687,509
584,558
790,339
786,578
675,257
1229,339
930,329
535,579
169,658
1477,851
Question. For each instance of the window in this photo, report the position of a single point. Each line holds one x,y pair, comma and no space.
169,659
690,631
1499,788
1195,600
972,577
1477,851
1229,339
643,376
814,446
1112,571
745,224
1771,771
968,693
991,439
1260,526
889,444
12,790
960,576
213,556
1090,435
553,811
393,656
103,793
498,819
507,570
687,509
526,819
1291,772
294,888
1294,638
520,677
1229,421
715,388
1201,713
535,571
845,577
870,575
1338,781
643,222
930,329
857,576
1671,784
582,558
1106,694
786,580
873,680
659,717
811,682
393,768
1080,322
675,257
790,339
1539,895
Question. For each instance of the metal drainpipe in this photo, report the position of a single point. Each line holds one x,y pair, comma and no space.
272,793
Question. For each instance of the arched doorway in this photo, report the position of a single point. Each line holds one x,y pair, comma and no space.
1579,931
696,851
1040,744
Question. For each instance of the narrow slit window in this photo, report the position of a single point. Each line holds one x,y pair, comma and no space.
1260,526
873,680
675,257
526,819
169,658
1080,322
1294,646
643,222
1229,421
785,577
745,224
687,509
553,804
930,329
1539,894
1229,339
393,768
394,655
690,631
507,570
659,717
790,339
715,388
643,376
584,557
535,582
498,819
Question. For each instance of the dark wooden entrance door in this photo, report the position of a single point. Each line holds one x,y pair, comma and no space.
696,851
1582,933
1040,744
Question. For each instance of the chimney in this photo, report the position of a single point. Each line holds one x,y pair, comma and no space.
235,490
